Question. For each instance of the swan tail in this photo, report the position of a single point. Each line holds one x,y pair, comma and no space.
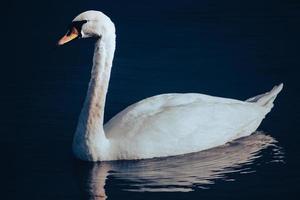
267,99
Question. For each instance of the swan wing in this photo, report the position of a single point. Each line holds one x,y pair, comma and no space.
172,124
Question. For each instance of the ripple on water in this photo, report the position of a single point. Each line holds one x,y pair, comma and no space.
186,172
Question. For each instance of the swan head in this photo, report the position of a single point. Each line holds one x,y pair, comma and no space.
89,24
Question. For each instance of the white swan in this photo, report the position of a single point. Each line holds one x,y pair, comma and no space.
163,125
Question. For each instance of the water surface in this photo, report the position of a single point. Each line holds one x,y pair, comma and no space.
231,48
187,172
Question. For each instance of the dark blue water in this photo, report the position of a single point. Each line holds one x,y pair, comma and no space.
223,48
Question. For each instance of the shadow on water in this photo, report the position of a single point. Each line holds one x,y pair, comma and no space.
179,173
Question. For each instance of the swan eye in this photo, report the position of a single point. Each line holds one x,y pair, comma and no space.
78,25
74,31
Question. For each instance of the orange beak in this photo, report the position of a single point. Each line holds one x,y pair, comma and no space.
69,36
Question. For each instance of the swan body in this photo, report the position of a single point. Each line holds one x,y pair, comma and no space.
163,125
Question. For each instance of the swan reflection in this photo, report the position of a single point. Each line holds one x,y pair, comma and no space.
182,173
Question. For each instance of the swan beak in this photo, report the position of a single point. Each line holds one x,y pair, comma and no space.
71,35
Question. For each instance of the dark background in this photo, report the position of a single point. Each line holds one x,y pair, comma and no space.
234,49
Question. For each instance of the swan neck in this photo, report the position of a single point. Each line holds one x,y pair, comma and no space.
98,86
90,140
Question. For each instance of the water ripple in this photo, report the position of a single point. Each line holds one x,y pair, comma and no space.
186,172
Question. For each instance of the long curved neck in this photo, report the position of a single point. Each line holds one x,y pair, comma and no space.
100,75
90,141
